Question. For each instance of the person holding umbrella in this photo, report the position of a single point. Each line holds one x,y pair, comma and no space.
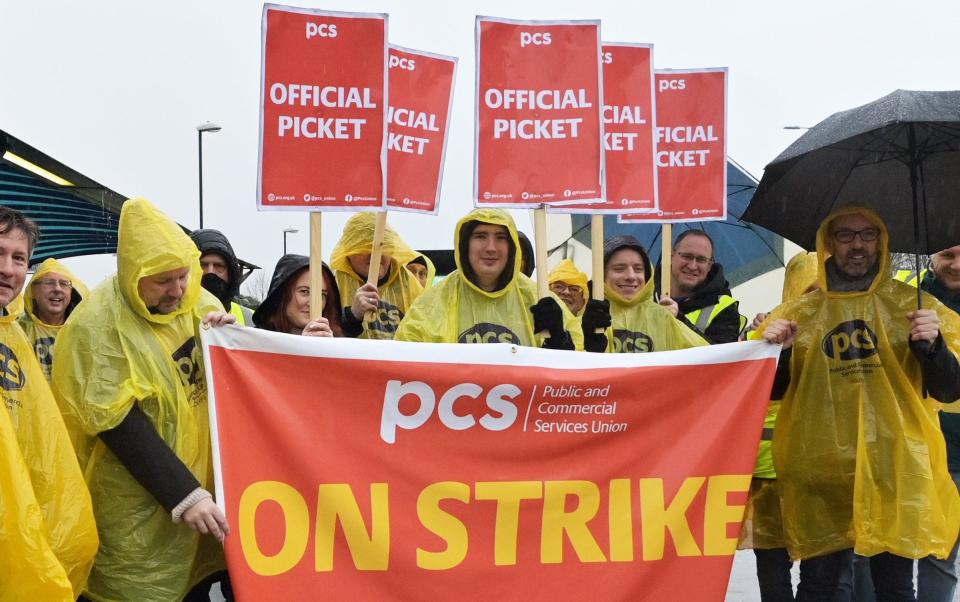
858,450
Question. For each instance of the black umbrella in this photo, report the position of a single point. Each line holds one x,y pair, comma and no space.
899,155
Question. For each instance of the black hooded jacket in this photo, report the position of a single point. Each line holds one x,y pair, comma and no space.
287,266
214,241
725,327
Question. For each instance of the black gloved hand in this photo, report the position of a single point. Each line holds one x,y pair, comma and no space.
596,315
547,315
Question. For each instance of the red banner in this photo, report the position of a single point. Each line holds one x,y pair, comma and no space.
628,119
360,470
539,133
691,146
322,110
421,94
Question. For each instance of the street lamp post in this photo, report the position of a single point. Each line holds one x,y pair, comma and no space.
203,127
287,230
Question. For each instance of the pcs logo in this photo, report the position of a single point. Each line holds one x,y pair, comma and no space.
12,377
485,332
388,318
852,340
627,341
189,363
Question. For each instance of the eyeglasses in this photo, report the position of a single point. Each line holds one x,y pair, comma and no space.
560,287
691,258
50,283
866,235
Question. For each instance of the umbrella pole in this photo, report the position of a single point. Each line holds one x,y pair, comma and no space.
912,140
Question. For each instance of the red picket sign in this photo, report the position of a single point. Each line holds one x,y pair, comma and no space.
629,116
539,130
691,146
418,116
322,110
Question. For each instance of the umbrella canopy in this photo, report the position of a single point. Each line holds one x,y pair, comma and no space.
899,155
745,251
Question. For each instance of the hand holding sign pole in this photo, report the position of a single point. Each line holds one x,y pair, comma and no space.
373,272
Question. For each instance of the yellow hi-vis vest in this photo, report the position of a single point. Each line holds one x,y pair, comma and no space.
909,276
243,314
702,318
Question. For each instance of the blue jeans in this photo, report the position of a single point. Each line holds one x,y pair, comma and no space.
937,579
773,575
862,580
892,577
826,578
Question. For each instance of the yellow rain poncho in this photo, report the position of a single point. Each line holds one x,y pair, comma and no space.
431,269
859,454
40,334
640,325
799,276
15,307
31,570
56,478
111,354
396,294
567,272
456,310
762,525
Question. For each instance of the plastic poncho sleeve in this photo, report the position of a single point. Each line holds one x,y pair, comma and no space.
32,571
55,476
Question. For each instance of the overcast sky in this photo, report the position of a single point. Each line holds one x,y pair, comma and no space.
115,88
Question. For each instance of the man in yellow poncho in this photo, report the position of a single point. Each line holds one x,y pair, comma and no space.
31,570
858,451
396,288
130,381
54,480
570,284
52,295
637,324
488,300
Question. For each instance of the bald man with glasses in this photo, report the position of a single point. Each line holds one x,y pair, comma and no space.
701,290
